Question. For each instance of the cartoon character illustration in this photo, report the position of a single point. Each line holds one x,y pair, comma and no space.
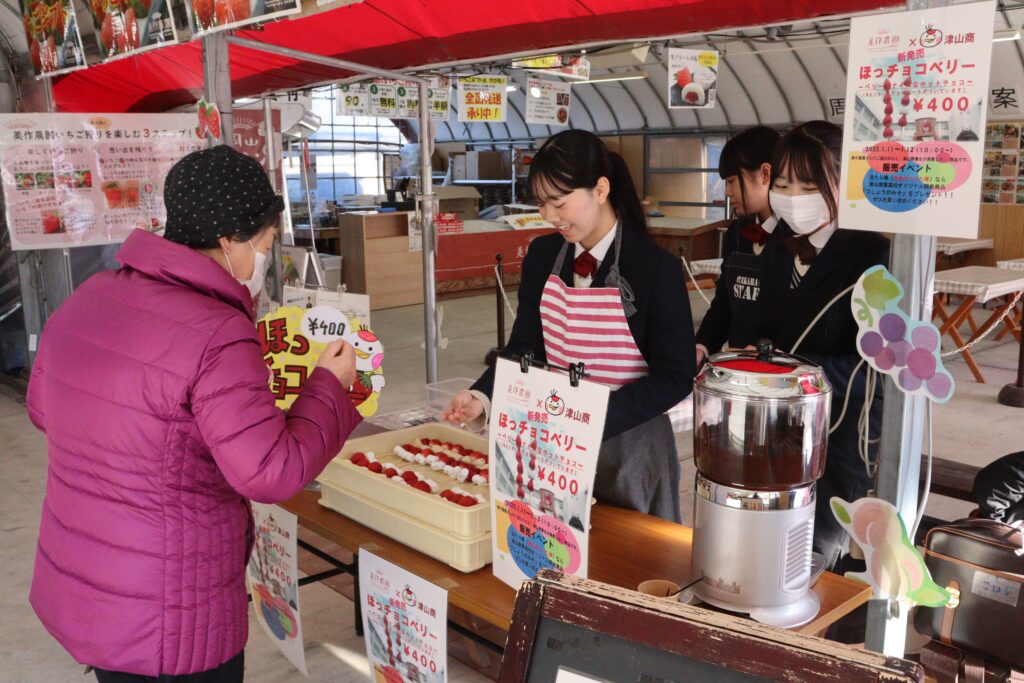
931,37
554,404
894,567
369,357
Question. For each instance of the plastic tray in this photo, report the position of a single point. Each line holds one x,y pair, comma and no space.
464,555
459,522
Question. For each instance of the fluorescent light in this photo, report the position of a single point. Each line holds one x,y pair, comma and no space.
511,88
608,78
535,91
1014,36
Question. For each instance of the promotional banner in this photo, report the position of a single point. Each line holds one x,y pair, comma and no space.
544,436
692,78
126,27
917,92
292,340
547,102
273,579
405,622
482,99
74,180
210,16
54,41
1003,181
353,99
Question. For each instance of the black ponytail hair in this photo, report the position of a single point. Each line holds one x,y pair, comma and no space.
747,151
575,159
812,153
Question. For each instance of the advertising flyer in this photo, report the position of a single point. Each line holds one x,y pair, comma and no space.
917,90
550,106
125,27
54,41
292,339
1003,181
405,622
354,99
74,180
210,16
482,99
544,436
692,78
273,579
384,99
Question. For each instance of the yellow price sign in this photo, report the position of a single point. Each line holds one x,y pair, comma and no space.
709,59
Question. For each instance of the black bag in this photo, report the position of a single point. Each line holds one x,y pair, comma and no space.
981,562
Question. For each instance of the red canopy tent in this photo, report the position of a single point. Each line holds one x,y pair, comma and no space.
401,34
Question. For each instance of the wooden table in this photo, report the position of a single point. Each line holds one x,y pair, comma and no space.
627,547
976,284
951,252
692,238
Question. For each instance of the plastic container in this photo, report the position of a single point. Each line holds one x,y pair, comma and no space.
439,394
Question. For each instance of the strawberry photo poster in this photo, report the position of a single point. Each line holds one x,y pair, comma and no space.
83,179
210,16
544,438
54,41
125,27
405,619
273,579
692,78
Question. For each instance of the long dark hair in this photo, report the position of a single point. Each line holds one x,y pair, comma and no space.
575,159
747,151
812,153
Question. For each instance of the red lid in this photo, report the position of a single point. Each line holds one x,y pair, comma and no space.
755,366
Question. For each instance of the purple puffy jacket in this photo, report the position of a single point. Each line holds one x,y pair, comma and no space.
151,388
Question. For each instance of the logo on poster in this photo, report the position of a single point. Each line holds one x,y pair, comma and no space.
554,404
931,37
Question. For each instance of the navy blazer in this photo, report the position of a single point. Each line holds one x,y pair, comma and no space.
662,325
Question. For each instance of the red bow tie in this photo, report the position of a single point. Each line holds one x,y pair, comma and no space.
755,233
585,265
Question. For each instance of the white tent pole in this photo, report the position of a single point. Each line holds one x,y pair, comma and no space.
912,261
426,200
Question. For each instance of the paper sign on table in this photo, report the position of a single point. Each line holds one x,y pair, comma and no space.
544,439
482,99
526,221
73,180
692,78
293,339
916,95
405,621
272,577
550,106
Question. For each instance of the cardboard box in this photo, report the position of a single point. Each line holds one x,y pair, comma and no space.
458,162
481,166
462,200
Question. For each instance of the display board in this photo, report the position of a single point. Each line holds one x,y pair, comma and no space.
51,31
1003,181
566,628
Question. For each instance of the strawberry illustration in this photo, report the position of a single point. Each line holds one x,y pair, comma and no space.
213,121
684,77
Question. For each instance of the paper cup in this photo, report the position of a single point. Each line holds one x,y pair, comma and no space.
659,588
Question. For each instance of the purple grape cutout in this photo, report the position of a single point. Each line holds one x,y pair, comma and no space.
871,343
940,385
925,337
892,326
885,359
921,363
901,349
908,381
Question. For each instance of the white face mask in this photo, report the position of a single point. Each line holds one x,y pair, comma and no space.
803,213
259,271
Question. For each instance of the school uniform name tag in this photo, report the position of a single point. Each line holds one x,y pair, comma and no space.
746,288
995,588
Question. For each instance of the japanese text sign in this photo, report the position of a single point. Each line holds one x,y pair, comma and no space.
84,179
482,99
547,102
544,435
272,576
917,95
405,619
292,340
692,78
354,100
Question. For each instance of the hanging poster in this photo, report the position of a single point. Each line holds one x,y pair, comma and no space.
576,68
482,99
210,16
440,95
353,99
547,102
273,579
125,27
1003,169
405,619
544,436
250,135
73,180
692,78
408,93
54,41
292,339
1005,100
384,99
917,91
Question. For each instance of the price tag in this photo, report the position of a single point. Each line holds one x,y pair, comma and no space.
324,324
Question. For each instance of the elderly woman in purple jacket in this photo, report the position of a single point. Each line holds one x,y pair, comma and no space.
151,388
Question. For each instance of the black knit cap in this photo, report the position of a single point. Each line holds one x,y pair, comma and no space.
217,192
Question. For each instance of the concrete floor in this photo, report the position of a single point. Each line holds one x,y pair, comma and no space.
972,428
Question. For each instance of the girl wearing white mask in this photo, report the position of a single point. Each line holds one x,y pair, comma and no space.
803,273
